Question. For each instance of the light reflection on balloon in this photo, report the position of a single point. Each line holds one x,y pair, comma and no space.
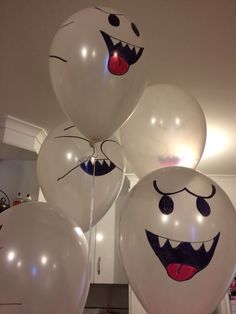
11,256
19,264
44,260
99,237
164,218
84,52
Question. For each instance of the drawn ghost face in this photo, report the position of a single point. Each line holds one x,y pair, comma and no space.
66,165
114,32
122,54
183,259
99,166
176,234
99,160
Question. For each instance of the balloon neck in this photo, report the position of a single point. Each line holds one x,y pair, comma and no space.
92,144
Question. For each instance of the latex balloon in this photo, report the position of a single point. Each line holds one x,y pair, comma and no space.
43,262
177,240
97,70
167,129
66,168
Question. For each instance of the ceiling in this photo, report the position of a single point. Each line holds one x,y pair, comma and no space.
191,44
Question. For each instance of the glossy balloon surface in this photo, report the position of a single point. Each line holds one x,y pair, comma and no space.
97,70
65,172
168,128
43,262
177,240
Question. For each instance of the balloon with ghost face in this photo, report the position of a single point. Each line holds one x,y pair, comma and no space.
66,165
97,70
43,262
177,240
173,131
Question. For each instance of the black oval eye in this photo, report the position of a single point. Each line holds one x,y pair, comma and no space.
166,205
203,206
135,29
113,20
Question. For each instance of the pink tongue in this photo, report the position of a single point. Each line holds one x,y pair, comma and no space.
117,65
181,272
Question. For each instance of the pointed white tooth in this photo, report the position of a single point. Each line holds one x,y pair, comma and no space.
208,245
123,43
174,243
108,162
130,47
104,162
137,50
162,241
196,245
115,41
100,161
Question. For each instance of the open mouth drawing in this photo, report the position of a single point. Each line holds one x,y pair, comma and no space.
167,161
99,167
102,165
121,54
182,260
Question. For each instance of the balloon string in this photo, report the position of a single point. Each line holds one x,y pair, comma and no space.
91,213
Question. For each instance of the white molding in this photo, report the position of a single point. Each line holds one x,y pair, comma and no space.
21,134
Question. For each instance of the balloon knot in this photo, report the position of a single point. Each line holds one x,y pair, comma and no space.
92,144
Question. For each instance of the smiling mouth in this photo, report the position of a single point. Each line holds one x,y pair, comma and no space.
167,161
182,260
99,168
121,54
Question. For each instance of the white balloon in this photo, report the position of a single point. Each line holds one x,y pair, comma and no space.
97,70
168,128
177,240
65,173
43,262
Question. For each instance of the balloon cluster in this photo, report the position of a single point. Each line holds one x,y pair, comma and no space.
98,73
177,228
173,240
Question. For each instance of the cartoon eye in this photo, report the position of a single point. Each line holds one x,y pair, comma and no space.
135,29
113,20
203,207
166,205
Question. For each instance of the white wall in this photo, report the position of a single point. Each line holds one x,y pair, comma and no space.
19,176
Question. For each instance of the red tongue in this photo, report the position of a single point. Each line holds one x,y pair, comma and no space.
117,65
181,272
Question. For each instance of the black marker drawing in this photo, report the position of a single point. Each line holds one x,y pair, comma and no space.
180,258
92,165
